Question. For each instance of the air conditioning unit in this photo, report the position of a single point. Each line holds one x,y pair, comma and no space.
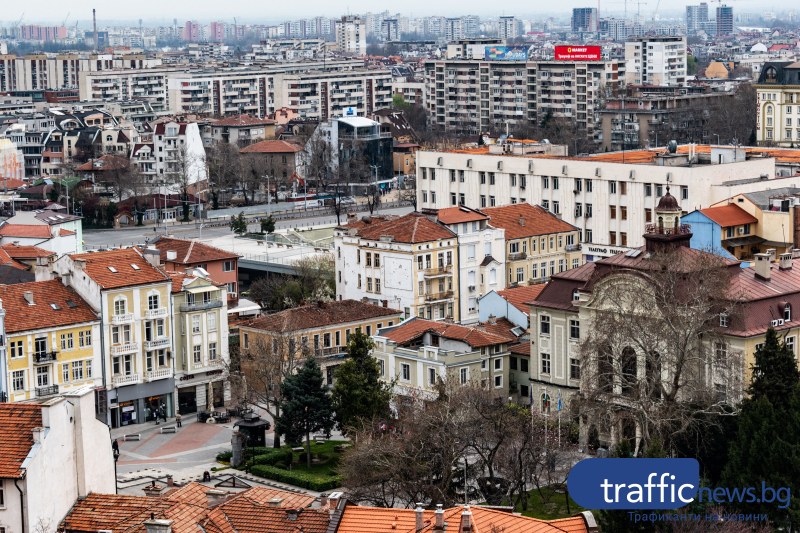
471,288
469,163
669,177
575,191
598,172
741,231
774,323
530,166
440,161
499,165
564,170
780,321
632,175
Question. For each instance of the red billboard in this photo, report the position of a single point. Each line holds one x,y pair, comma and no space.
578,53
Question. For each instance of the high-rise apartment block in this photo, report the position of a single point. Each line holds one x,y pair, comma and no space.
655,61
696,16
584,19
724,20
351,35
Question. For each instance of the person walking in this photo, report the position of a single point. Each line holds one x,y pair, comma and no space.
178,419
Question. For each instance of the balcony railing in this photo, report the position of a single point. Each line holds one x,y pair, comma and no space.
156,343
439,270
683,229
573,247
200,306
50,390
331,350
124,379
516,256
438,296
160,312
128,347
122,319
161,373
42,358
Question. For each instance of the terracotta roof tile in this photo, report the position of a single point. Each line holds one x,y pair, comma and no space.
6,259
459,214
520,296
16,424
321,315
411,228
243,121
191,251
18,251
21,316
271,147
729,215
30,231
472,335
99,267
526,220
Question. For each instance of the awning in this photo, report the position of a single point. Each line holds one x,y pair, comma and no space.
778,244
744,241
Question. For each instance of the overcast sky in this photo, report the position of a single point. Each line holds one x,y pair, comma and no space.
155,11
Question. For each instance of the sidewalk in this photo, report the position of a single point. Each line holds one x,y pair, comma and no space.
148,427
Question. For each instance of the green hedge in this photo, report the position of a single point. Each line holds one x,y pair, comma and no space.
224,457
282,456
297,478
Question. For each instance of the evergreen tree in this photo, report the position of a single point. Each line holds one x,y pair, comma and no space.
267,225
305,407
358,392
239,223
775,371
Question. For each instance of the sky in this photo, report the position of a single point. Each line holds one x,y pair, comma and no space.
159,11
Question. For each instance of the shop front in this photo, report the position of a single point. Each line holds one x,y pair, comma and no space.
140,403
202,391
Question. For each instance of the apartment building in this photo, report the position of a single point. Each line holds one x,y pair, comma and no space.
200,324
131,295
656,60
584,19
355,138
778,104
472,95
150,85
53,339
351,35
321,329
609,197
419,354
180,158
408,262
696,16
240,130
481,256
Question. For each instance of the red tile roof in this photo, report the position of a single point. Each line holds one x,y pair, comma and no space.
28,231
520,296
243,121
18,251
99,264
411,228
16,424
22,316
457,215
526,220
6,259
271,147
320,315
105,162
729,215
191,251
474,336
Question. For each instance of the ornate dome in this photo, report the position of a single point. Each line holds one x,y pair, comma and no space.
668,203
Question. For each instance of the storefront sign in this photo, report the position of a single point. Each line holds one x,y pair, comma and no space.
578,53
603,250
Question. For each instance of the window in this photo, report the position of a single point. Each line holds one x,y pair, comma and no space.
612,187
491,178
16,349
453,200
574,368
120,306
588,210
152,302
724,320
492,201
513,178
85,338
211,319
227,266
556,207
544,325
659,190
545,182
546,204
498,363
623,212
648,214
40,346
463,375
612,211
787,312
612,238
369,284
623,238
482,176
545,363
18,380
65,373
623,187
67,341
196,324
684,193
483,200
431,376
378,285
197,356
648,189
42,376
382,367
588,185
498,382
574,329
89,374
523,365
520,274
512,363
555,183
212,351
405,370
77,371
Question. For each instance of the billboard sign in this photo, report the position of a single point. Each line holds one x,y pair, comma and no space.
506,53
578,53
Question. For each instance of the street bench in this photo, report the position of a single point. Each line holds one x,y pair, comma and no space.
132,436
299,449
169,429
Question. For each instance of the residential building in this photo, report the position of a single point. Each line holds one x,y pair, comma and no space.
200,340
728,230
584,20
181,255
351,35
56,442
322,329
512,303
538,243
656,60
53,340
696,16
360,140
390,30
610,197
481,256
777,100
419,354
454,29
724,21
240,130
131,294
281,161
150,85
180,158
408,262
60,233
508,28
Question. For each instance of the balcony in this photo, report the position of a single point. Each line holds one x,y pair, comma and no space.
330,351
160,312
573,247
516,256
50,390
127,318
42,358
128,347
434,296
124,379
441,270
161,373
155,344
200,306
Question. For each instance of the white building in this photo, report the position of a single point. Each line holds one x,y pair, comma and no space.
179,153
655,60
351,35
60,233
54,452
508,28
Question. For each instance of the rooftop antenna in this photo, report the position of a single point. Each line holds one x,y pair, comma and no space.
94,24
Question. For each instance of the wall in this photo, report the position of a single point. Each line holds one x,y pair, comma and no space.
492,303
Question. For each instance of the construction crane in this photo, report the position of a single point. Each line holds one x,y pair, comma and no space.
18,24
655,11
66,19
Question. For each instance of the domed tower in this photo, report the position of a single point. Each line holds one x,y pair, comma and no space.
666,231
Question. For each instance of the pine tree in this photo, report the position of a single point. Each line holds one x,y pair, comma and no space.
775,371
306,406
267,225
358,392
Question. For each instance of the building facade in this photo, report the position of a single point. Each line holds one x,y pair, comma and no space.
777,100
351,35
656,61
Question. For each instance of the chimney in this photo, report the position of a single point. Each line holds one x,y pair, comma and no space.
492,320
274,502
152,256
157,526
28,295
41,270
786,261
466,520
170,482
65,278
419,513
292,514
323,500
333,499
215,497
522,221
771,252
153,490
38,435
172,255
438,521
94,25
762,266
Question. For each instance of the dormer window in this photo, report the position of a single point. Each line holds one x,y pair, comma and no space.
724,320
787,312
576,295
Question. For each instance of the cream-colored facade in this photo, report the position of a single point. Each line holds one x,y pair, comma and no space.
778,105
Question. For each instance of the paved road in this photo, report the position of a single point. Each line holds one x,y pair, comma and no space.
191,230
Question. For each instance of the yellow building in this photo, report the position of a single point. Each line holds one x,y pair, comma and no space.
53,340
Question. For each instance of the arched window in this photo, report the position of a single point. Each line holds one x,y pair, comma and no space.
787,312
771,75
769,110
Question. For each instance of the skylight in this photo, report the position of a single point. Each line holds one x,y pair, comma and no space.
71,304
112,269
135,267
55,307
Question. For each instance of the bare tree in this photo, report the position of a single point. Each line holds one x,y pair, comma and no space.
184,170
224,168
654,361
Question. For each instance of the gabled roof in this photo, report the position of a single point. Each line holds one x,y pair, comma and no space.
161,127
415,328
17,421
191,251
115,268
411,228
272,147
729,215
54,305
27,231
459,214
520,296
7,260
320,315
526,220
